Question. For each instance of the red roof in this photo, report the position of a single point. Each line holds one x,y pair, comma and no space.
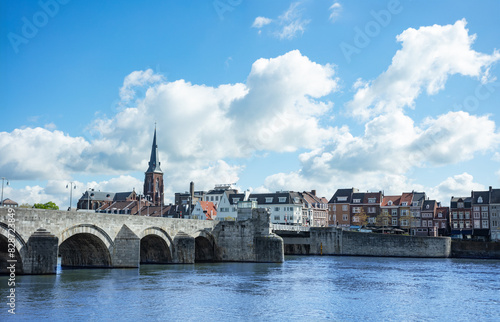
395,200
209,209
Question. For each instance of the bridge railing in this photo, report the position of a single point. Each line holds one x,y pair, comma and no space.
289,227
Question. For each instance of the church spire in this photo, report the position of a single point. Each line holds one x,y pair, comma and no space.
154,160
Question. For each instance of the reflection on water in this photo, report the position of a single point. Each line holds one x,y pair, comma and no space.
302,288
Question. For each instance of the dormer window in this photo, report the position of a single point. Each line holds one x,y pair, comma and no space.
372,200
282,199
269,199
341,198
235,200
404,204
427,207
356,200
480,199
390,203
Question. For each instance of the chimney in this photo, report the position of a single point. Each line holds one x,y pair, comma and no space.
191,191
313,192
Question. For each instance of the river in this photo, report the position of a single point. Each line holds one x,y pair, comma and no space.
301,289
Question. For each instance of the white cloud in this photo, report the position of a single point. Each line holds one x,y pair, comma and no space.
198,126
291,22
36,153
335,10
427,58
137,79
459,185
260,22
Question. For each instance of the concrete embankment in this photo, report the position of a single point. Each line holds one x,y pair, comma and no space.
475,249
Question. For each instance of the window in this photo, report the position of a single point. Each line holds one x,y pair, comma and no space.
424,223
461,215
344,217
371,210
385,212
394,212
494,223
404,204
429,223
415,204
356,210
484,215
443,225
461,224
253,199
282,199
389,203
455,215
276,208
455,225
440,215
476,215
355,219
467,215
485,223
371,220
427,207
467,224
277,218
436,224
344,207
394,221
477,224
460,205
404,222
372,200
404,212
480,199
484,208
476,208
216,198
341,198
235,200
269,199
212,198
356,201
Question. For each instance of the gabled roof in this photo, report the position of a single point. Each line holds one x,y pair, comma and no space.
485,196
495,196
395,201
8,201
418,197
455,200
370,195
347,193
290,198
407,197
358,195
431,203
231,197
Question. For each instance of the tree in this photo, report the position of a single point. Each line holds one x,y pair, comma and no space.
26,205
384,218
47,205
360,218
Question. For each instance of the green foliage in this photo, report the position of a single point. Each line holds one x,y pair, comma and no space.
47,205
26,205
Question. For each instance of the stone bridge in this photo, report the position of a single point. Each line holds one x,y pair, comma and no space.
36,237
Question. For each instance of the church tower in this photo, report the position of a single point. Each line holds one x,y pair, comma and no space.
153,182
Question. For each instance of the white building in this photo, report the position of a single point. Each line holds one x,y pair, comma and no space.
227,208
204,210
285,207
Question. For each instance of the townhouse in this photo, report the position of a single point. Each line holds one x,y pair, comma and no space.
339,207
461,217
389,211
227,208
204,210
480,215
365,207
494,214
285,206
428,213
417,202
314,210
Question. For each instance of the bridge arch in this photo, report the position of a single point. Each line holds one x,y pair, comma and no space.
85,245
20,249
156,246
204,246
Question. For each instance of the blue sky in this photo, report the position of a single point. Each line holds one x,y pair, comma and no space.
281,95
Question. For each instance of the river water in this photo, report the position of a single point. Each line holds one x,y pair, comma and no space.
301,289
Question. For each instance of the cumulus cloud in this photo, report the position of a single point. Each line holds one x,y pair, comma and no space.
137,79
260,22
198,126
459,185
429,55
335,10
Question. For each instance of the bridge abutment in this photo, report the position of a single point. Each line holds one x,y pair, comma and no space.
127,249
184,248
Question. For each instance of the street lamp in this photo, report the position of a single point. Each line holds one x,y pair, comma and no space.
3,180
71,186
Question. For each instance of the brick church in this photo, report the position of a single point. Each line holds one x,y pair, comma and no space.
149,204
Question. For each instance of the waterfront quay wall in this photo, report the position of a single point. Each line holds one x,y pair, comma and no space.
475,249
334,241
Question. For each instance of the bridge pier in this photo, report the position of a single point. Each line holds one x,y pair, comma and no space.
127,249
184,248
41,257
